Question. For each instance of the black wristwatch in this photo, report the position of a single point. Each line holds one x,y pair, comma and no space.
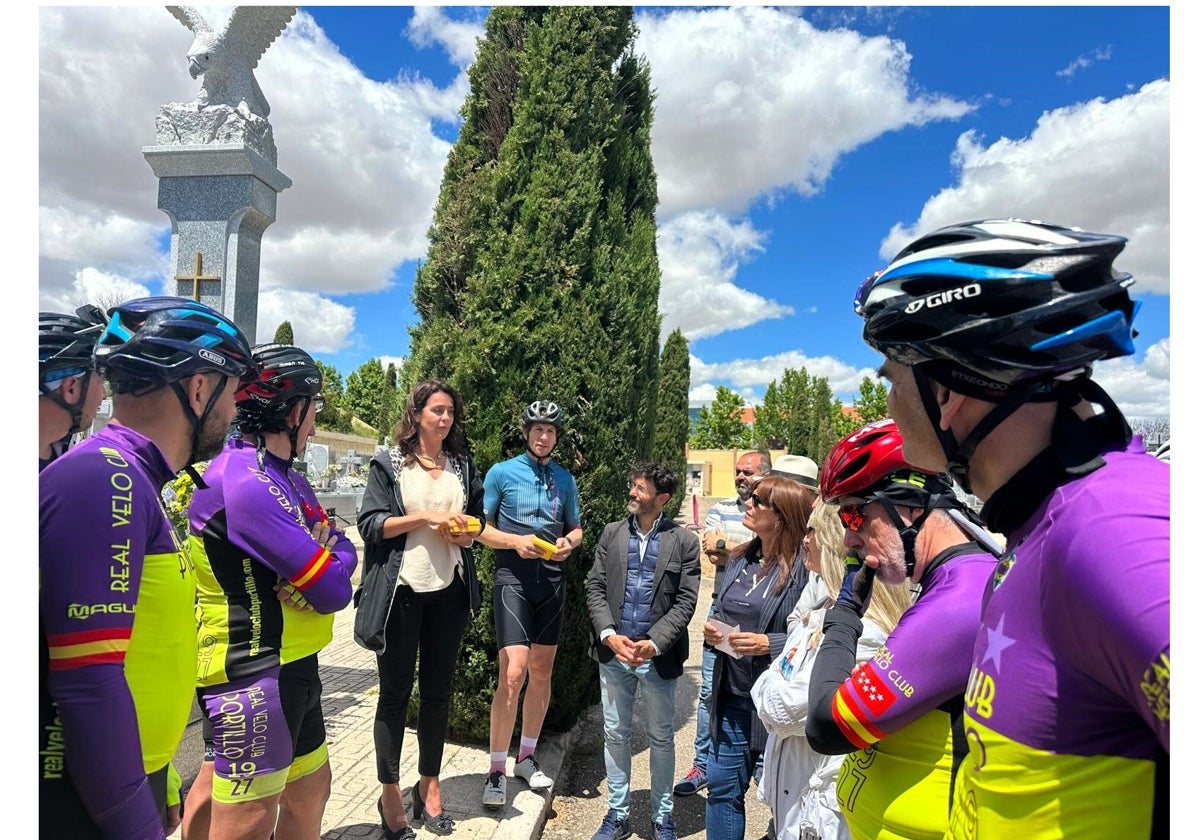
721,546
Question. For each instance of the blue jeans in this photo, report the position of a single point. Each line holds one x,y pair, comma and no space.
618,685
703,736
730,765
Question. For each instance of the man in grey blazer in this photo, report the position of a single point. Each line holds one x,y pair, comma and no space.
641,594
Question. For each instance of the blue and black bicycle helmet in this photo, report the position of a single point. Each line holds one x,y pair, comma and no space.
66,344
1003,310
543,411
153,341
993,303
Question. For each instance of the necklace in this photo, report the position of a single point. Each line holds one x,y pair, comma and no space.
430,462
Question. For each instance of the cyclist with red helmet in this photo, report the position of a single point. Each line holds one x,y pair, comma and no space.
117,592
897,716
990,330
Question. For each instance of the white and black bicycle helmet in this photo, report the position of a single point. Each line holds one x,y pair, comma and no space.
543,411
66,346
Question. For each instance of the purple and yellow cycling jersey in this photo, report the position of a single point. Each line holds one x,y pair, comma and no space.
117,603
895,714
1069,702
250,530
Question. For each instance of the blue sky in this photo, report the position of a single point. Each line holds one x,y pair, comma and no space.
797,149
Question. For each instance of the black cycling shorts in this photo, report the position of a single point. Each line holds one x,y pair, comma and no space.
528,613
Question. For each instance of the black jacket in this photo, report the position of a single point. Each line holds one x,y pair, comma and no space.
381,564
676,588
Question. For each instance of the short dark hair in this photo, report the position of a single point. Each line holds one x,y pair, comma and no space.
665,479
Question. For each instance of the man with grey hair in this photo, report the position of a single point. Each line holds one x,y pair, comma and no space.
723,531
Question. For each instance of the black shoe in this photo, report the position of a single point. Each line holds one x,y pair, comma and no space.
405,833
437,823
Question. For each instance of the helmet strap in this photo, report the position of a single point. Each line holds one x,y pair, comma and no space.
908,533
74,409
294,431
197,424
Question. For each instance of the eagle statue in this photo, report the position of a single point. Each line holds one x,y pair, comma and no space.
227,59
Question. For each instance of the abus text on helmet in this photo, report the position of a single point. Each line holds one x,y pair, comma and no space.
944,296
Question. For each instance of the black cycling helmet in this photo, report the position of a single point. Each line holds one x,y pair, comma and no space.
65,348
153,341
543,411
287,375
1007,311
995,302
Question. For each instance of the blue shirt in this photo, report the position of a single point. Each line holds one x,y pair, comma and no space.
521,496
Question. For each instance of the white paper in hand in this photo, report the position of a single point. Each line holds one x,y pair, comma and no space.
725,629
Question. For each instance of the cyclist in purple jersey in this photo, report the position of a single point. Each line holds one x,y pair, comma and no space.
271,570
68,394
990,330
897,716
117,594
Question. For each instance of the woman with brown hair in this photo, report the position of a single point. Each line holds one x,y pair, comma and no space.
420,513
763,581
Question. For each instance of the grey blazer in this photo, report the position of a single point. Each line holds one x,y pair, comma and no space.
676,588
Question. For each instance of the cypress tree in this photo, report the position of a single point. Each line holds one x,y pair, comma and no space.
541,282
672,424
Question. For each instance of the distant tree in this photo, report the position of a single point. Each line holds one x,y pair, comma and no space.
335,417
1154,430
770,420
542,282
671,427
283,334
365,390
872,401
720,425
390,404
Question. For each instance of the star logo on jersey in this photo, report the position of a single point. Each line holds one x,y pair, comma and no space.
872,691
996,644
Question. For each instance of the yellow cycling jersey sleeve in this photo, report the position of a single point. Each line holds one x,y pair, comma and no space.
899,788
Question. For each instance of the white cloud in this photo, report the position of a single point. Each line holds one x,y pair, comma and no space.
750,377
318,324
1140,390
429,25
753,102
1099,165
364,158
699,254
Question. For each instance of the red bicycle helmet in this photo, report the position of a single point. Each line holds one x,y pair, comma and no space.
861,460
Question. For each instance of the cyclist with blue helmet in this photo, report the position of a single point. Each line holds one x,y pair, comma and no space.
990,330
68,394
117,592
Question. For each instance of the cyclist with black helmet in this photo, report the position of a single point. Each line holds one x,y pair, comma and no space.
68,394
117,591
898,716
527,499
990,330
272,569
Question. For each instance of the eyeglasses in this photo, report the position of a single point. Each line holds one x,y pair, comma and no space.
318,404
743,472
759,501
852,516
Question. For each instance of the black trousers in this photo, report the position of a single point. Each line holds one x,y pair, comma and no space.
427,627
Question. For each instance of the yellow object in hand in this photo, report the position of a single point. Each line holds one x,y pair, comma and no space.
547,548
451,527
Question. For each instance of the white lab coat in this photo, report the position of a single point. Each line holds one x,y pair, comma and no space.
798,784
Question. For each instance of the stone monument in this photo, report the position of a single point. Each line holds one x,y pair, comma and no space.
215,160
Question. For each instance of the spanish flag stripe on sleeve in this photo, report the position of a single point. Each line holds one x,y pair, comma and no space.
857,732
91,647
312,570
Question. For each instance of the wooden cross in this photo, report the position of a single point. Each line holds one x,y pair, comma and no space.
197,276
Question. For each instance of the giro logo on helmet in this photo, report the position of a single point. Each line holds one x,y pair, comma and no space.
210,356
961,293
